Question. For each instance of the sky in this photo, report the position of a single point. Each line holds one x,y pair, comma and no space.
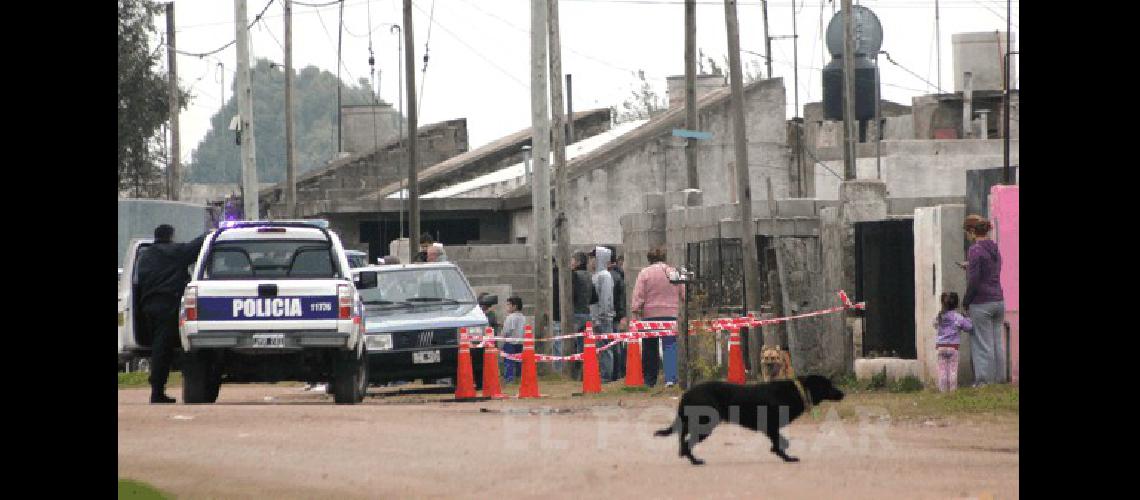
479,64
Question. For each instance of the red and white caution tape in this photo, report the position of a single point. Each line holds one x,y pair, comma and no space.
548,358
656,329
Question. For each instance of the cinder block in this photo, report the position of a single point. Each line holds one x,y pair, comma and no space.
806,226
796,207
730,228
482,252
654,202
458,252
764,226
784,226
512,252
896,368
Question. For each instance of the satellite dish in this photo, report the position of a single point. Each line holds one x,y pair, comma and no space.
868,32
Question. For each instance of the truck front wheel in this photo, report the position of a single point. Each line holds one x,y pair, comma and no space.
350,379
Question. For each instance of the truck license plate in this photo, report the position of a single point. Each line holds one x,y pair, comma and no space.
274,340
425,357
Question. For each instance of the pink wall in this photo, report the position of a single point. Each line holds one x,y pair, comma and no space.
1005,214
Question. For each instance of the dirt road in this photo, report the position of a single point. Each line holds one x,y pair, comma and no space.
262,441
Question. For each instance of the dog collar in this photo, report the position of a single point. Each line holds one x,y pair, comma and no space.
803,394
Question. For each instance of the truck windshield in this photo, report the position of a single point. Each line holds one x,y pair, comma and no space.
258,259
425,286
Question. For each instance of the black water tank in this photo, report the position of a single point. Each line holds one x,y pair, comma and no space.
864,89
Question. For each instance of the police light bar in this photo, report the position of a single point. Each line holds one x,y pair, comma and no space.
230,224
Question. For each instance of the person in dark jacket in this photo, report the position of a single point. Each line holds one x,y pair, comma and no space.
618,276
163,276
583,292
985,302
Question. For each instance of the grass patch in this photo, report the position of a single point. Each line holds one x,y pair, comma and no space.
135,380
994,400
139,379
138,490
879,382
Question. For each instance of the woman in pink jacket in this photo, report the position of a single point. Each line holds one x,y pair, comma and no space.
656,299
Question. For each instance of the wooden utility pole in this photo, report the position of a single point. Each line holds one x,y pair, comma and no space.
693,182
540,160
290,156
692,179
175,158
743,184
569,109
565,303
849,134
768,39
245,110
938,45
413,184
339,106
1006,177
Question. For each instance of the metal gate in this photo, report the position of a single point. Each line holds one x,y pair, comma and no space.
718,277
884,278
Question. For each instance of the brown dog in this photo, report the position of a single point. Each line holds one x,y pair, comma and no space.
774,364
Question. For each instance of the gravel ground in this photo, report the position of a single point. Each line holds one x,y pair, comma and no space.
280,441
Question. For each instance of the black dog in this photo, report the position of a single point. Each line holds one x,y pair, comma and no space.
757,407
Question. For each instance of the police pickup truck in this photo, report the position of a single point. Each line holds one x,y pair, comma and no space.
271,301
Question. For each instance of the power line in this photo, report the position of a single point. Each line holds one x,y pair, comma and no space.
427,50
817,162
904,88
892,61
476,52
318,5
564,46
909,4
224,47
271,35
996,13
329,36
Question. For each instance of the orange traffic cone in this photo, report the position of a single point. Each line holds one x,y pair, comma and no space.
464,381
633,375
591,380
528,386
491,387
735,356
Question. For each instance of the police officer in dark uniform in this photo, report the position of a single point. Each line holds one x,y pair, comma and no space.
163,277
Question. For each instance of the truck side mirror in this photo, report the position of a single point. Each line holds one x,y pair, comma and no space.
366,280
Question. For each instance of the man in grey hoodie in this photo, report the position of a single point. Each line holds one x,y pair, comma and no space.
602,312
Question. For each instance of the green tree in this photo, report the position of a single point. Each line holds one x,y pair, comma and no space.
217,157
143,98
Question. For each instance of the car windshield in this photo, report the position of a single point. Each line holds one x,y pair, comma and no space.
419,286
270,259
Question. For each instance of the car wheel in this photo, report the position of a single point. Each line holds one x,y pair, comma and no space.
349,377
199,382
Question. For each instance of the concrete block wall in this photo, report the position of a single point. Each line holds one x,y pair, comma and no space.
510,265
488,265
937,249
916,168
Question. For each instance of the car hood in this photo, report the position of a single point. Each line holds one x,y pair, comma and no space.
424,318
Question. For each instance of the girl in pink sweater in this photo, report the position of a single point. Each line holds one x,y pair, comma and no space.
656,299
